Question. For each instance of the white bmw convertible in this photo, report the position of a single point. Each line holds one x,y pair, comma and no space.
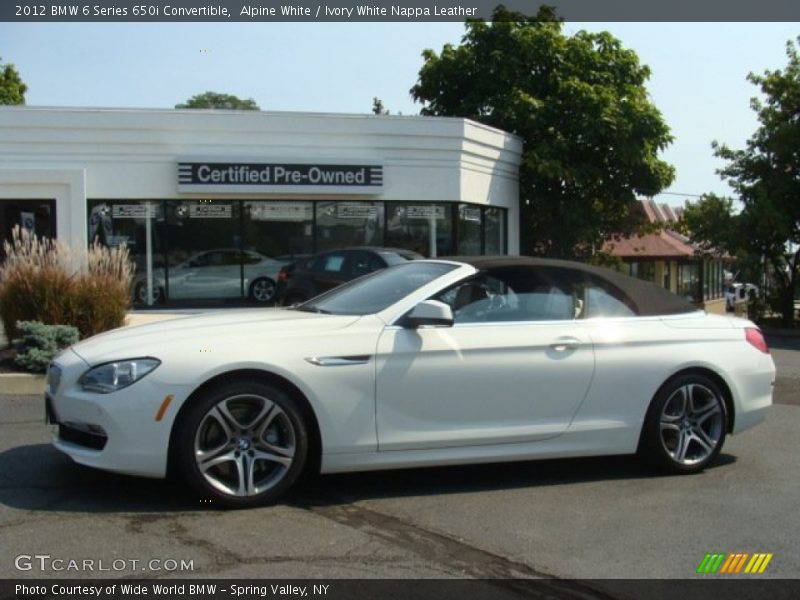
432,362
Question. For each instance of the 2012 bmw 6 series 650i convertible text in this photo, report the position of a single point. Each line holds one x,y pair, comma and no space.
427,363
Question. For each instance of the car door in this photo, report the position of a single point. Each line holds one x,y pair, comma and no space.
182,278
514,367
218,277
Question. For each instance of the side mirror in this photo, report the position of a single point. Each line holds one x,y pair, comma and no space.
430,312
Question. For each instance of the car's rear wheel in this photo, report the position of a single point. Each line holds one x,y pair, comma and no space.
262,290
242,444
685,426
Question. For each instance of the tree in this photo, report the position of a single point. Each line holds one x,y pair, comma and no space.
712,226
214,100
377,107
12,89
766,175
591,135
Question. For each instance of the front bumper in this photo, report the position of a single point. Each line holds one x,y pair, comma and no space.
118,431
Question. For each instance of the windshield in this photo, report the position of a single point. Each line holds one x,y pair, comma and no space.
377,291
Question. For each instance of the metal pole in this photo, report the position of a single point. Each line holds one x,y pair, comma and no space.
149,250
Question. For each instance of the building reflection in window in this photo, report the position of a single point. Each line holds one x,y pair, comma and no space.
424,228
343,224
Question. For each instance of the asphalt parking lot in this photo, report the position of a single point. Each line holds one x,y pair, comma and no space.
587,518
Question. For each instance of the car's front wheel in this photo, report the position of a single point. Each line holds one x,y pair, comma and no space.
241,444
262,290
686,424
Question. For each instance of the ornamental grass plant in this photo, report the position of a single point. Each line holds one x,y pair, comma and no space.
48,281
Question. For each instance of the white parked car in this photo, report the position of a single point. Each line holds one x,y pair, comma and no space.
216,273
739,293
431,362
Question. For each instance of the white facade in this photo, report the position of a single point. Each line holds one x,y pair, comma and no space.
211,204
71,155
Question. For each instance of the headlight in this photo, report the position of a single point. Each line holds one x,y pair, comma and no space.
113,376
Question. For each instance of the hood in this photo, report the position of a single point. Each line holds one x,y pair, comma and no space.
209,328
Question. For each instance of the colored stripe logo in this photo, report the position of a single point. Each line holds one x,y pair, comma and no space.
735,563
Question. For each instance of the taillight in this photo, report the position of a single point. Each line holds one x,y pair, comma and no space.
754,336
283,275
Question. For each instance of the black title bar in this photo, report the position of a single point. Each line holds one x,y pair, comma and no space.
733,588
402,11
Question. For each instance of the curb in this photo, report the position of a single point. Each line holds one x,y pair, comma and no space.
22,384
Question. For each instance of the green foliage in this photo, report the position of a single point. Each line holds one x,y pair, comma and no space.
215,100
591,134
378,108
711,224
766,175
12,89
45,280
39,343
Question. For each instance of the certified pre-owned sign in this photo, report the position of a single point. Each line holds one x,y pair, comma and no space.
217,176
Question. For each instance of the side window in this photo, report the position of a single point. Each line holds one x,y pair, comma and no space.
362,263
535,294
601,300
225,258
549,302
329,263
477,300
513,294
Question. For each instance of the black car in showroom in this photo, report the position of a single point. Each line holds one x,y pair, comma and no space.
304,279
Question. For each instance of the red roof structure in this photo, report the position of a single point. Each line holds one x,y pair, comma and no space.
665,244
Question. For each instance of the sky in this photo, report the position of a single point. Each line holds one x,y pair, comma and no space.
698,78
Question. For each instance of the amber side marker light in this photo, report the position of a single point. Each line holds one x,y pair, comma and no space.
163,408
756,338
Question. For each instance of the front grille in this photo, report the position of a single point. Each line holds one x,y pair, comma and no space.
79,437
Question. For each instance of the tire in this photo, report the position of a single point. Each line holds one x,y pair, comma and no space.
241,444
686,424
262,290
140,294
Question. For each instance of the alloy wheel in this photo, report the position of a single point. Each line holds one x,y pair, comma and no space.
262,290
244,445
692,424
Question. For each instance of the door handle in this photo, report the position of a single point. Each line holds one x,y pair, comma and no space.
564,345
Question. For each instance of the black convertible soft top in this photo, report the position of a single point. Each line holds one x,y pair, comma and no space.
648,298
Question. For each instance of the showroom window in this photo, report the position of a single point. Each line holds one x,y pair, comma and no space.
278,229
204,246
342,224
35,216
139,225
470,221
226,250
424,228
495,231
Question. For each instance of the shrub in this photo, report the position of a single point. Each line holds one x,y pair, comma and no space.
46,280
39,343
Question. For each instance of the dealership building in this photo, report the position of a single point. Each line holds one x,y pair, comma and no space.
210,201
